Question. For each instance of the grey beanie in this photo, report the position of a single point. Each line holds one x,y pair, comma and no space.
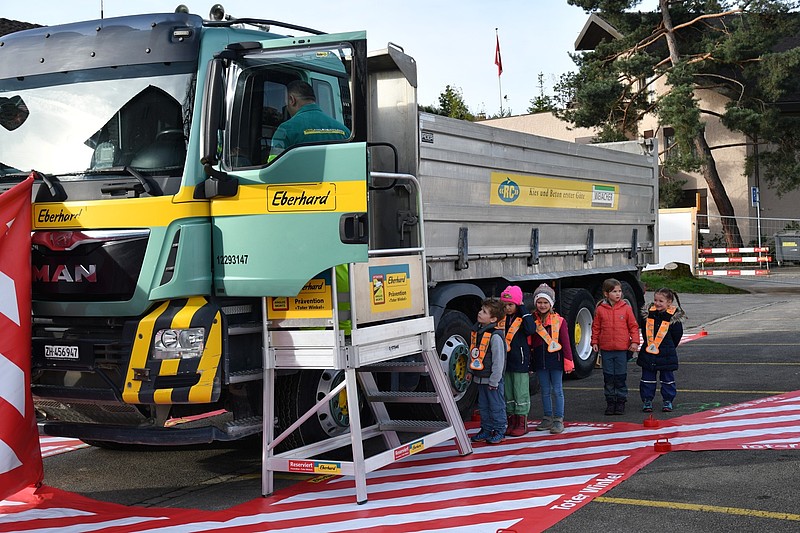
545,291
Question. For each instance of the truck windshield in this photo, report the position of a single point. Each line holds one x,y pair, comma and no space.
70,124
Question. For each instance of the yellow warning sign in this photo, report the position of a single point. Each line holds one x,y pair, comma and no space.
315,300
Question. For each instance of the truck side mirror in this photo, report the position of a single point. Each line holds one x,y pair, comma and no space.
218,184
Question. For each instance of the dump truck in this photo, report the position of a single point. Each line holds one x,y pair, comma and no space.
178,267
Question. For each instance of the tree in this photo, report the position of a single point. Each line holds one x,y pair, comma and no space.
542,103
736,48
451,104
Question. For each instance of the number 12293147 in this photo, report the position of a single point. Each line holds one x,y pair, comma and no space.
235,259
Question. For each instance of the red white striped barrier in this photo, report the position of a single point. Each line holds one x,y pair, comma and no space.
710,260
733,272
734,256
753,250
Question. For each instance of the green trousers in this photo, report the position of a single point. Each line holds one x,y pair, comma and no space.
518,394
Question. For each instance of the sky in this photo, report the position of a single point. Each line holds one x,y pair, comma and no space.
453,42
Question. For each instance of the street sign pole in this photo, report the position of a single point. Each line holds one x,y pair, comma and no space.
755,201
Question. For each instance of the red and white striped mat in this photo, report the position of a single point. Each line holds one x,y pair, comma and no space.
524,484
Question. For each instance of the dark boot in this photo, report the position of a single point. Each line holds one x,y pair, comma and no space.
611,407
522,426
619,407
511,421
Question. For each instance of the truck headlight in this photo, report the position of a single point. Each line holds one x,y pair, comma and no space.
179,343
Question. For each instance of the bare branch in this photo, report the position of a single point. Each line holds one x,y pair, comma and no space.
709,112
706,16
736,145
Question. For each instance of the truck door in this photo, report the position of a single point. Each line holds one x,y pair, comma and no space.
300,208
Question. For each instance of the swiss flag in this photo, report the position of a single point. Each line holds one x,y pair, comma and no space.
20,457
497,60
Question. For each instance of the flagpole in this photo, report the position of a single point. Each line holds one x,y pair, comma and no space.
499,64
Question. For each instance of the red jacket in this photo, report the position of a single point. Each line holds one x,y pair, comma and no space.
614,328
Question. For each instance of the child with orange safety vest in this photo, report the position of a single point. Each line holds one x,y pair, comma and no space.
519,325
662,332
486,364
551,356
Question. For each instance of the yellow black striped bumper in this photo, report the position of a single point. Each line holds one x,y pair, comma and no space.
174,381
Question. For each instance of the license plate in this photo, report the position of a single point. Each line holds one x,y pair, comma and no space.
61,352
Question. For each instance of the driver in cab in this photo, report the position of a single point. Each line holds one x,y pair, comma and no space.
308,123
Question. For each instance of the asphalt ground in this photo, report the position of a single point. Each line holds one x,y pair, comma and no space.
752,351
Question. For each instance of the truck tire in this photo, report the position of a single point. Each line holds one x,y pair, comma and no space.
629,296
297,393
578,308
452,345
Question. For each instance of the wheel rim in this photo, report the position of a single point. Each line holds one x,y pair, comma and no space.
454,359
583,346
333,416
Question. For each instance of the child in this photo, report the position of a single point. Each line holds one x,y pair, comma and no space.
662,333
487,362
519,325
550,358
615,333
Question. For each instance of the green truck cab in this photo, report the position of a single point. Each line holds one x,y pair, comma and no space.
159,217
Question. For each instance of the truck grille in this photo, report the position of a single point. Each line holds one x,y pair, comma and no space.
87,266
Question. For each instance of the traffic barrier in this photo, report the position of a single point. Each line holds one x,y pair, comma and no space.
755,261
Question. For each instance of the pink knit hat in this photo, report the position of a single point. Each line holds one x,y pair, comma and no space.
512,294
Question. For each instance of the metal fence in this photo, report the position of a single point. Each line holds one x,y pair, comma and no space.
755,231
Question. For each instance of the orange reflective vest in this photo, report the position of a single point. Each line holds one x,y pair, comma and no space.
554,321
478,353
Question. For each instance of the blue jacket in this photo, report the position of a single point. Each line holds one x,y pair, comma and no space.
667,356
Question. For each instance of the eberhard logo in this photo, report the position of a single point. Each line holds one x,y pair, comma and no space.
508,191
396,278
314,285
60,217
301,197
327,468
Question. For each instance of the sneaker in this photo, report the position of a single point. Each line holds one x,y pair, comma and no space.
545,424
482,436
647,406
496,438
667,408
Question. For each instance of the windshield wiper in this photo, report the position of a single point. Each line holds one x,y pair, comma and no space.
57,192
150,188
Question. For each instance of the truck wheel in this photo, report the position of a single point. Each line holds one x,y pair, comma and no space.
297,393
578,307
629,296
452,345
